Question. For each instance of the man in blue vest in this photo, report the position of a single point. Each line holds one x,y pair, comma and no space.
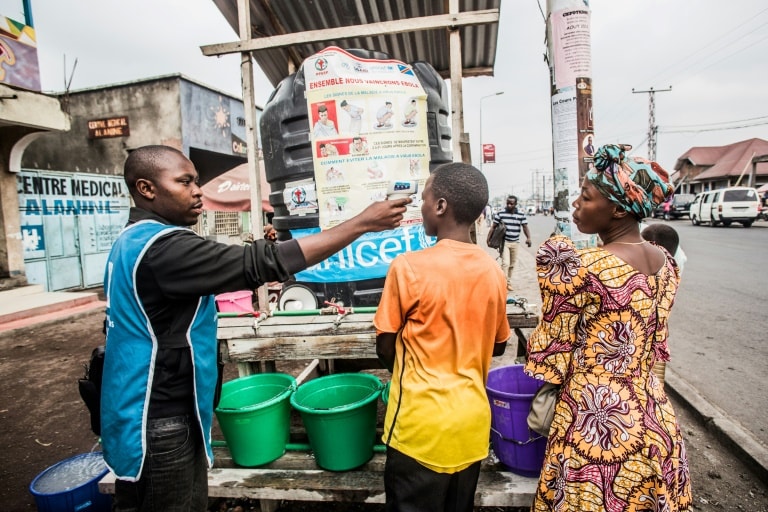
160,367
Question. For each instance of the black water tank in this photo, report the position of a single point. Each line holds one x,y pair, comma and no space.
287,149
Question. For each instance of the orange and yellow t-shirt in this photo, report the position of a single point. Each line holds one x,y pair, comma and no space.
448,304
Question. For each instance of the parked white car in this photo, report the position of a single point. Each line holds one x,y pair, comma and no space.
725,206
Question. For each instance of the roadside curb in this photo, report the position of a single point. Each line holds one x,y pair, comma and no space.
8,329
731,434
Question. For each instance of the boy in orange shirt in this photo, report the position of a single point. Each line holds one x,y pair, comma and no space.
441,318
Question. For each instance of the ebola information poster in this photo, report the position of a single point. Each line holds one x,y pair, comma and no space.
368,127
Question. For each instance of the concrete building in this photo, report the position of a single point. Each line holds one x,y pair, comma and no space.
72,201
708,168
25,115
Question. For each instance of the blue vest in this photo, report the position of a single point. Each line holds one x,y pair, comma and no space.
132,345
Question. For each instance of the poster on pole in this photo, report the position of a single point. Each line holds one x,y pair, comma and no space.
572,46
368,127
489,153
587,144
573,140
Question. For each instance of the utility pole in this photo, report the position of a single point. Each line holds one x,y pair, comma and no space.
652,128
569,59
538,195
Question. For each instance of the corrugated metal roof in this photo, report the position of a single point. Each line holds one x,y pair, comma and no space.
273,18
733,160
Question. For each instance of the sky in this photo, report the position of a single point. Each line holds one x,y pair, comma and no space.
711,53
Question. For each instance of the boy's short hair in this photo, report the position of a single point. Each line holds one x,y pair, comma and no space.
662,234
464,187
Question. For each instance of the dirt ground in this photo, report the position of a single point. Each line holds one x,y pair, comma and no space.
44,421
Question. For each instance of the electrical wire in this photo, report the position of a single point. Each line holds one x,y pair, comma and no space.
624,105
728,56
700,130
707,125
707,45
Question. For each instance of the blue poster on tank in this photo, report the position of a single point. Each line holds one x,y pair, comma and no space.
368,257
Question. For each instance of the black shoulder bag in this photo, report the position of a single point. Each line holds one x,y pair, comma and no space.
90,387
496,240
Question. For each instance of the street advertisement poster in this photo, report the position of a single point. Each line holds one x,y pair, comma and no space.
368,129
489,153
18,55
573,141
567,182
585,125
571,44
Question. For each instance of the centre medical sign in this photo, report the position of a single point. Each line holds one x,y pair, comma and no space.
108,128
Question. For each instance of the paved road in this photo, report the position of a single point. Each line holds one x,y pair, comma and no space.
717,328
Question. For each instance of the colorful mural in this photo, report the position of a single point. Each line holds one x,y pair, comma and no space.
213,121
18,55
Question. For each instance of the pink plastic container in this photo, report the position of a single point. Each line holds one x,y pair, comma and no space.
235,302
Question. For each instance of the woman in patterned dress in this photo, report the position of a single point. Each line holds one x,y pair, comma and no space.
614,444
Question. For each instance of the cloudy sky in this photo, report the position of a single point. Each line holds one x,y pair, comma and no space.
711,52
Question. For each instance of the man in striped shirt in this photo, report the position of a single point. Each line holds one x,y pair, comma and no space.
514,220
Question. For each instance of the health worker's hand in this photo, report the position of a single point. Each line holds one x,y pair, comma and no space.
382,215
378,216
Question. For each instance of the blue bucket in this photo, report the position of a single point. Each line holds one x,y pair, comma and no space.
72,485
510,392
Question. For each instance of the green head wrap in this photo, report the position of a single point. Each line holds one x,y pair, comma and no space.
637,186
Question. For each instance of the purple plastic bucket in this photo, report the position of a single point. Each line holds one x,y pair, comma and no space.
510,392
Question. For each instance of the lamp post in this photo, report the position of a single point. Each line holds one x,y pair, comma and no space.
482,155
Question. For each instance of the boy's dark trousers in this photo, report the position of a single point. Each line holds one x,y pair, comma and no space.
411,487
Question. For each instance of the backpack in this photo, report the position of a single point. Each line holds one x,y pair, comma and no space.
90,387
496,240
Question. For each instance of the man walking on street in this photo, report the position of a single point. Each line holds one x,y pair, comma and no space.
514,221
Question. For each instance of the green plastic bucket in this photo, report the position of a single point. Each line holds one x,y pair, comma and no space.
339,414
385,393
254,413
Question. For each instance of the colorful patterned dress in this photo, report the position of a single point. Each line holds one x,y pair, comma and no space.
615,444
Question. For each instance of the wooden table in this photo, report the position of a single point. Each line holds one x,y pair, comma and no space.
248,342
254,345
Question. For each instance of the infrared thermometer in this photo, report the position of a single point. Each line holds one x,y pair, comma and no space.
401,189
